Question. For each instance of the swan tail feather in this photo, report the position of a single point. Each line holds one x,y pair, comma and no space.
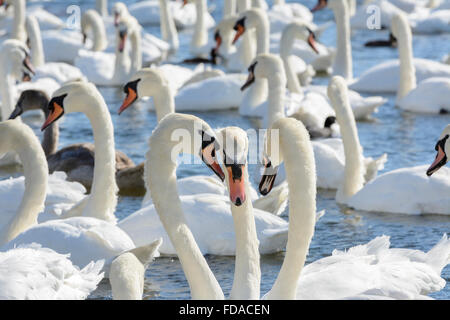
373,166
275,202
146,254
368,106
439,256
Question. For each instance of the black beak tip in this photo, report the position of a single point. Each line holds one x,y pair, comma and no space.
238,202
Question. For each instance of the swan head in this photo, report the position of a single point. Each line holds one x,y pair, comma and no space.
443,149
267,66
30,100
223,31
234,148
320,5
122,35
399,25
15,55
120,11
75,96
301,30
147,82
248,19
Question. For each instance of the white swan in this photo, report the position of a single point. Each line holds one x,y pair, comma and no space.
15,66
76,160
30,272
87,237
60,72
429,96
200,209
153,48
362,107
108,69
329,153
405,190
383,77
127,272
356,273
93,25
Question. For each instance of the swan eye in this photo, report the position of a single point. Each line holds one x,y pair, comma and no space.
240,22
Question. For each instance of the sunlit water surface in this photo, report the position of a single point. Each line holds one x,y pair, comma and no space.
407,138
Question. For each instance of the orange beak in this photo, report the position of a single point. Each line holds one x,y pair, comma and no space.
239,32
130,98
185,2
237,187
440,160
54,115
312,42
211,162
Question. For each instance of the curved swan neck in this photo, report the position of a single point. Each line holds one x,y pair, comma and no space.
103,198
262,33
160,179
247,48
19,31
406,60
50,139
164,102
168,29
354,178
247,275
92,21
34,36
287,41
35,169
102,7
343,64
298,155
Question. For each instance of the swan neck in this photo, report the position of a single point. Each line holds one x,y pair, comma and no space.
300,172
286,43
243,5
247,50
247,275
136,51
102,7
168,29
35,171
343,65
200,37
229,8
34,35
276,97
262,35
50,139
19,31
161,180
164,102
103,198
406,60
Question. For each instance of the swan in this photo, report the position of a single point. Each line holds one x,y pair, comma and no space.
77,160
362,107
153,48
60,72
15,65
127,272
185,14
108,69
152,83
429,96
356,273
401,191
102,7
382,77
31,272
201,208
329,153
92,23
87,231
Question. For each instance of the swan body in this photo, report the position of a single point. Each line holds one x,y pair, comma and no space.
31,272
127,271
218,238
370,271
385,77
373,270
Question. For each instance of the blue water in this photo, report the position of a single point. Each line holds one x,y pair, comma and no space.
407,138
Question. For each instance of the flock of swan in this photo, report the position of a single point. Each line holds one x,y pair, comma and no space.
59,234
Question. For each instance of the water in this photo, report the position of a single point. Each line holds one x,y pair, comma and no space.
407,138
